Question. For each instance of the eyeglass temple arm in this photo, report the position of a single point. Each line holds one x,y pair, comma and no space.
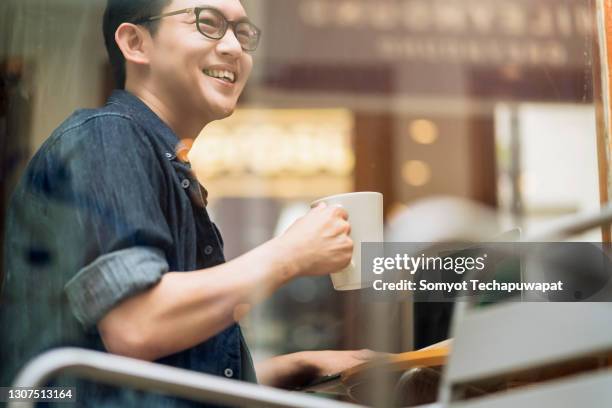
172,13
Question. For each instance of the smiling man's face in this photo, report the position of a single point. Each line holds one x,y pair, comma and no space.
196,74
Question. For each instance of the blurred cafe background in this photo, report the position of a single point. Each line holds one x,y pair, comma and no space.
472,102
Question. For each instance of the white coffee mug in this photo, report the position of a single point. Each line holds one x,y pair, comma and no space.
365,210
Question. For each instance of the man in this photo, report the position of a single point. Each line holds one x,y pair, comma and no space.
110,246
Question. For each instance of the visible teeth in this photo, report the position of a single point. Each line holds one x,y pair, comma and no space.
221,74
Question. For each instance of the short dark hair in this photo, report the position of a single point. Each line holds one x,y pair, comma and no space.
125,11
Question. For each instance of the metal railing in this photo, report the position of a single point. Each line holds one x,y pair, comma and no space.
142,375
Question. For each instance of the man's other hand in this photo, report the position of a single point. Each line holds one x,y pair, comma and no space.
299,369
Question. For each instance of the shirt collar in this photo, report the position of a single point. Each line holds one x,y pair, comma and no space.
141,113
134,107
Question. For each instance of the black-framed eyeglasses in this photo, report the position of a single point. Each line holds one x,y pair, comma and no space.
212,24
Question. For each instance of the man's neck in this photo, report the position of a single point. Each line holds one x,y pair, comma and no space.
179,123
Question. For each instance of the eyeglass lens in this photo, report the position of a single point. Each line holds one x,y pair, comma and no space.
213,24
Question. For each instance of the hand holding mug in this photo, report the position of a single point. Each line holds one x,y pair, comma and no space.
365,210
319,242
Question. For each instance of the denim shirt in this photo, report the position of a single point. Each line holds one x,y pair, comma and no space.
104,209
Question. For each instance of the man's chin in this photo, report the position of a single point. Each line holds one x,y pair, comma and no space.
221,112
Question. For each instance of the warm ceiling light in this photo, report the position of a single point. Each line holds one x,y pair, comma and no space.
416,173
423,131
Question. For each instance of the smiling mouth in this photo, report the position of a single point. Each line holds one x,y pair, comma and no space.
224,75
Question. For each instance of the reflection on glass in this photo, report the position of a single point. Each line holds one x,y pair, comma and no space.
440,105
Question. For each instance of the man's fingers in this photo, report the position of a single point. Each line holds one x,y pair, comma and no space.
348,229
341,212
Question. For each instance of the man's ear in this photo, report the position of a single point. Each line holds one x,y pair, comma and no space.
132,41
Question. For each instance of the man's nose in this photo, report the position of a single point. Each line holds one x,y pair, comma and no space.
229,44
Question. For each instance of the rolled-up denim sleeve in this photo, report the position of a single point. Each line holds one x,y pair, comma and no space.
98,287
112,186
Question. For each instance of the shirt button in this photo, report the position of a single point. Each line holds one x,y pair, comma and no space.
185,183
169,155
228,372
208,250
